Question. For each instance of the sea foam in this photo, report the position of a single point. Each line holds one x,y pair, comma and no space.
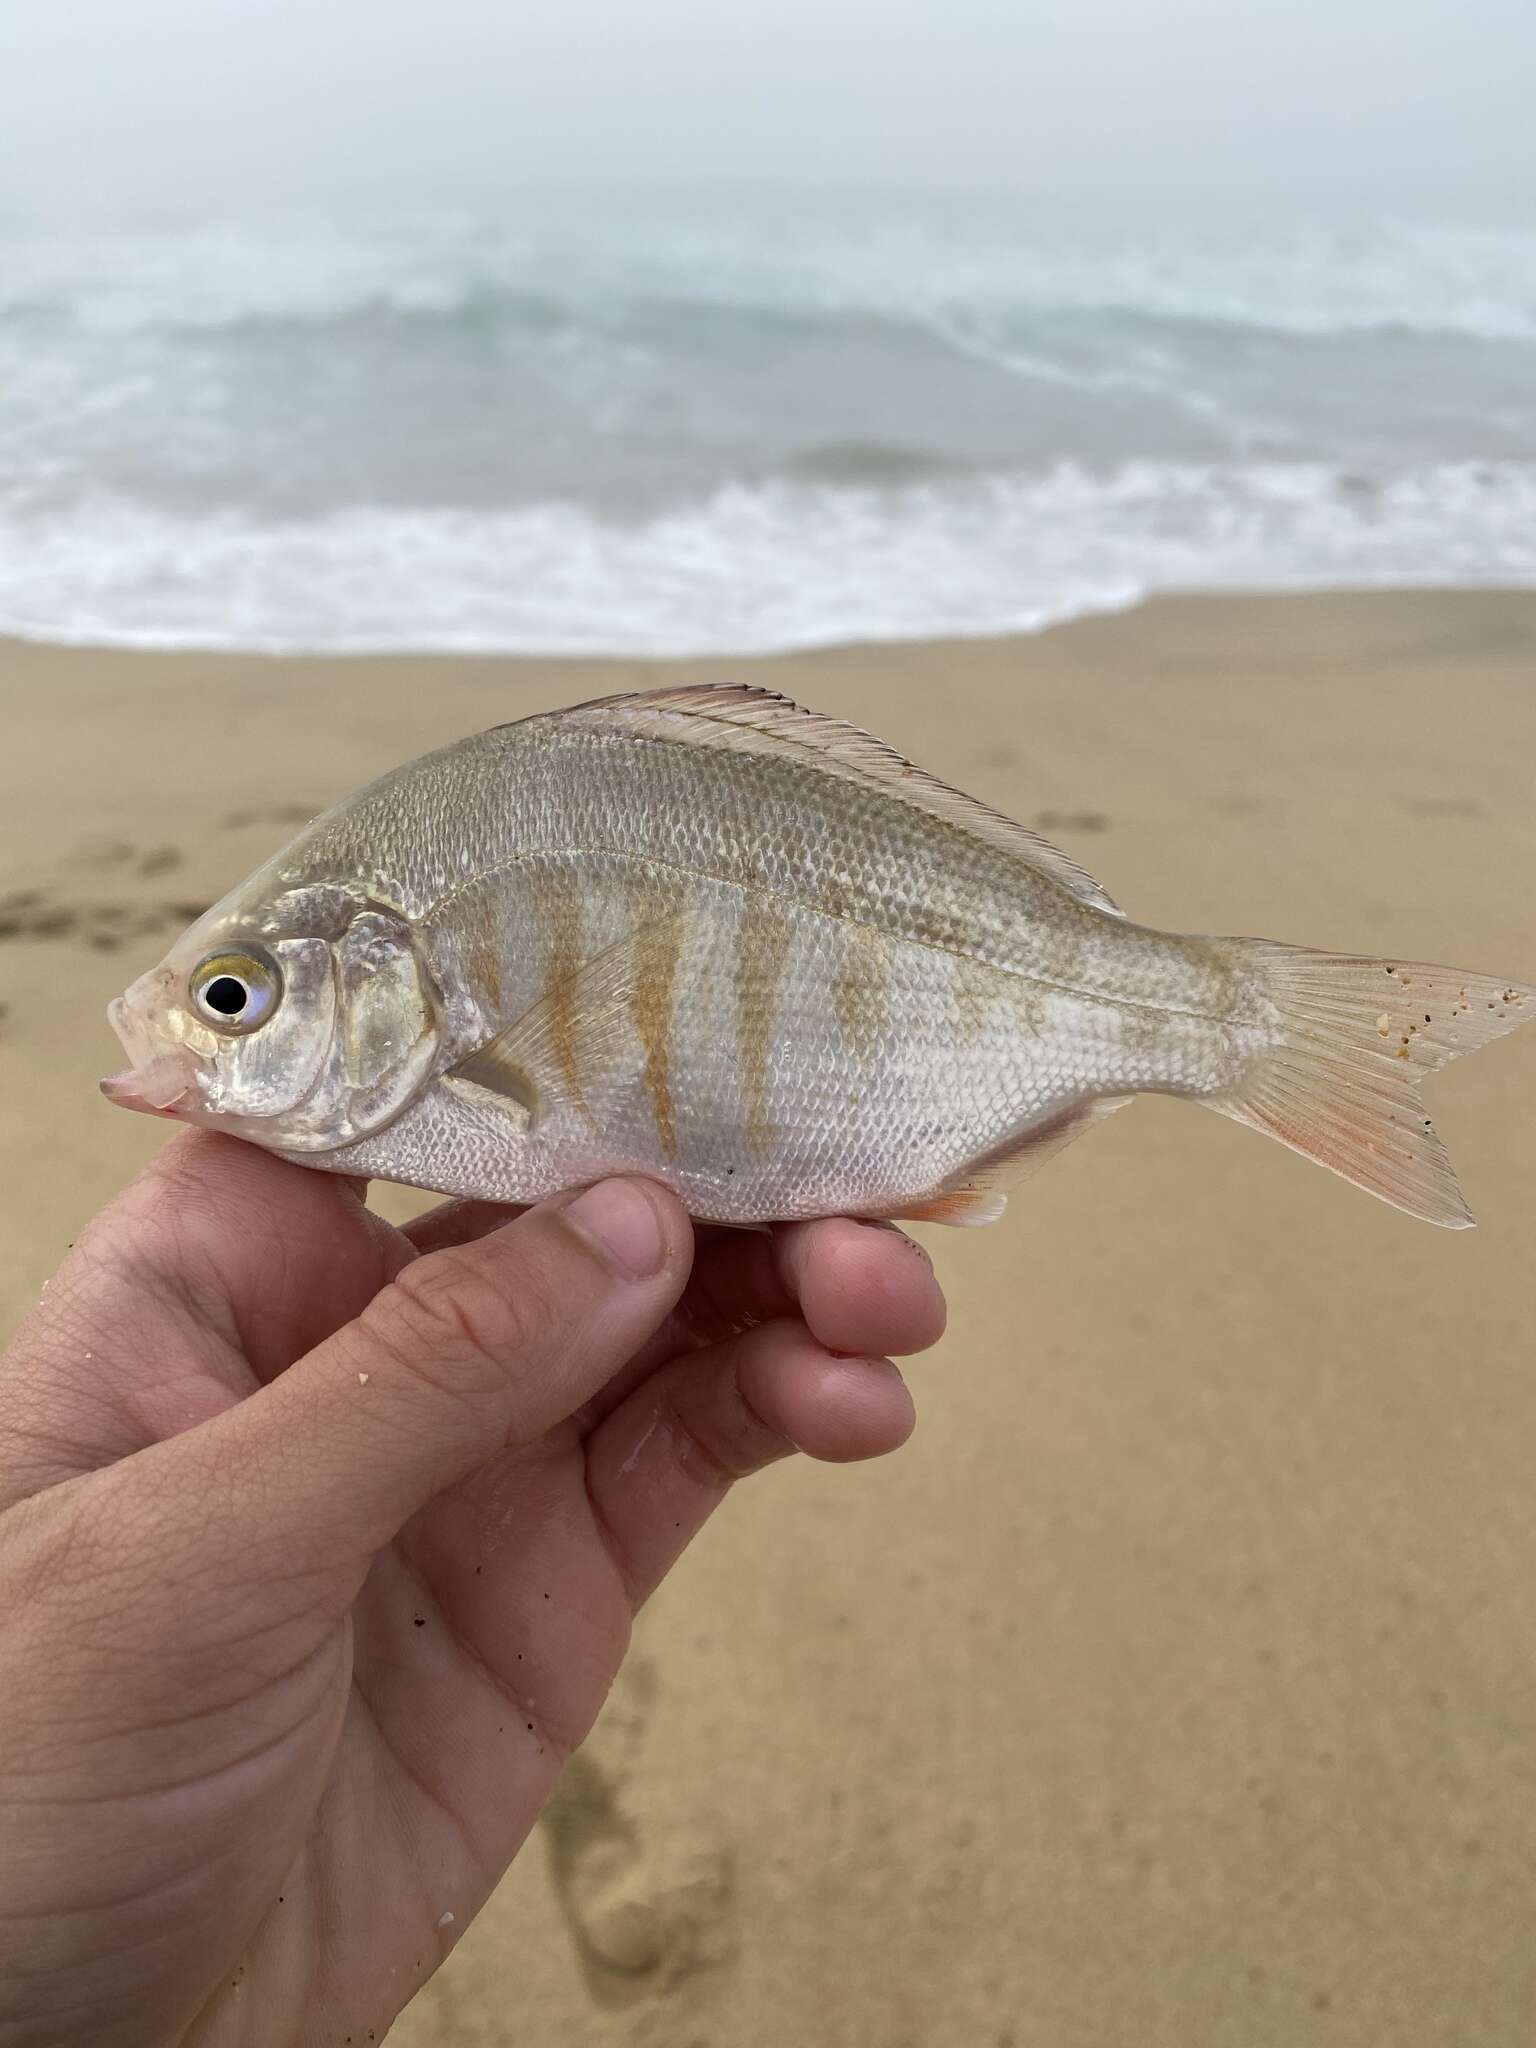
679,433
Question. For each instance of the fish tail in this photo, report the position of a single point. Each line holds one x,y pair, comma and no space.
1352,1042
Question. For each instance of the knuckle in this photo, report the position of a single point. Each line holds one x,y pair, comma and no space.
74,1560
701,1452
449,1307
718,1434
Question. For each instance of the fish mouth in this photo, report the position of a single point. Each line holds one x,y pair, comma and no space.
160,1080
157,1088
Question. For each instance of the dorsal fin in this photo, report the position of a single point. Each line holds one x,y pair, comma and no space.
750,719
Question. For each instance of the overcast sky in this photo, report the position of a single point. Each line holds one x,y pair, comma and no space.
207,105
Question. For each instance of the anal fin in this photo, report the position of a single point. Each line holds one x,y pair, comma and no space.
975,1197
970,1207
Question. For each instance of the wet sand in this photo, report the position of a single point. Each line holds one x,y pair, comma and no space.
1176,1686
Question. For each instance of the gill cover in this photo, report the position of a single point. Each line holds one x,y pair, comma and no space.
383,1039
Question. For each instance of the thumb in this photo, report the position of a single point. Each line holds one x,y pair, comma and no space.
467,1351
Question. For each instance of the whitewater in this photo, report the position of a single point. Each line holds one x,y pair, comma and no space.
598,428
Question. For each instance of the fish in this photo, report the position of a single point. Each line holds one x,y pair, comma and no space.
705,935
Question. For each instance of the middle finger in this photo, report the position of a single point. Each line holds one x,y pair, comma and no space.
864,1289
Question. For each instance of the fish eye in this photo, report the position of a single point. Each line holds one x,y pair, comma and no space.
236,990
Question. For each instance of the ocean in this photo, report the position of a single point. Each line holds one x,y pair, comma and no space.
663,428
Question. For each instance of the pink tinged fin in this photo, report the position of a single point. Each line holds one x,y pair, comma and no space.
969,1207
747,719
976,1197
1358,1037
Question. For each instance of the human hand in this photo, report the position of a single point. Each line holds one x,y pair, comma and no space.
319,1547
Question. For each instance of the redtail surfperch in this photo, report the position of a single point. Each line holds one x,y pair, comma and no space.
704,935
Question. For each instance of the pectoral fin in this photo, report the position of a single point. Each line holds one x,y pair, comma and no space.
581,1027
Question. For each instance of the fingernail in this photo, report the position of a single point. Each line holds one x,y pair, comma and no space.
621,1218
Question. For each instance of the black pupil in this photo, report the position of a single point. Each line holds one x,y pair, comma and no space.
226,995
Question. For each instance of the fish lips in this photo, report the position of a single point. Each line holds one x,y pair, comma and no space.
162,1080
157,1089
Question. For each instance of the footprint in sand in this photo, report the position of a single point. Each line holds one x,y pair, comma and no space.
104,926
1443,806
70,909
651,1904
1071,821
276,814
123,857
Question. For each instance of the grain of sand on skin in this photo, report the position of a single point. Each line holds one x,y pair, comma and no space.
1178,1682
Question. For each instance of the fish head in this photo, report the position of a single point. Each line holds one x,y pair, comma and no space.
303,1020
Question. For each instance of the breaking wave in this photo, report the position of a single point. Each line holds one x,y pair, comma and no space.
669,433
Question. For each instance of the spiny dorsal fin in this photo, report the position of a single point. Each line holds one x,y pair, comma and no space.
750,719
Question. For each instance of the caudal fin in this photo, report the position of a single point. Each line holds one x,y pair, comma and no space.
1359,1036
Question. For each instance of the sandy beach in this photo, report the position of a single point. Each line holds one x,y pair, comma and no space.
1176,1686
